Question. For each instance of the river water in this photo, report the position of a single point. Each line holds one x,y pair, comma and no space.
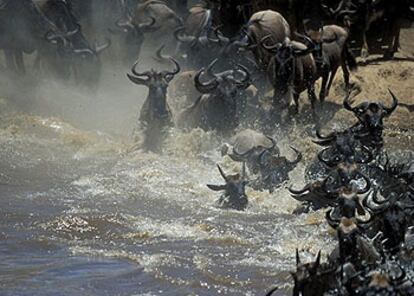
83,214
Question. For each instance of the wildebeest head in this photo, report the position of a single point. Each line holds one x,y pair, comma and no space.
157,82
343,146
87,62
225,85
191,41
234,195
347,173
343,13
393,214
255,157
134,34
371,115
62,41
282,67
315,39
274,169
63,48
309,278
284,54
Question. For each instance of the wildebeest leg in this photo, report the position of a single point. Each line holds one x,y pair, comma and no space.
346,74
394,43
21,69
9,57
295,109
312,95
364,49
322,93
331,79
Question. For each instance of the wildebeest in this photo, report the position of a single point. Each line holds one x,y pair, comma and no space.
23,29
166,20
82,61
194,45
369,21
218,108
261,25
312,279
292,69
370,117
391,215
155,114
353,245
133,33
331,52
326,192
234,195
262,157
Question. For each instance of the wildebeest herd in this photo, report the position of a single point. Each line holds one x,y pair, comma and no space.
246,63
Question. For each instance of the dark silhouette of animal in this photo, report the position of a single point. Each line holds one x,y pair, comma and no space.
155,114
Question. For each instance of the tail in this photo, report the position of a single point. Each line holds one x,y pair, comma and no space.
350,59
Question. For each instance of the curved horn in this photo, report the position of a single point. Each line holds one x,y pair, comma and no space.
244,43
207,87
84,50
306,39
136,73
364,222
100,48
158,55
222,173
182,37
367,203
377,201
148,26
317,260
334,12
137,80
299,156
328,162
324,140
221,39
245,81
170,74
51,36
270,293
305,189
347,103
332,221
272,48
367,184
394,104
273,143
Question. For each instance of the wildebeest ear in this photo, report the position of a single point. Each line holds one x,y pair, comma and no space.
216,187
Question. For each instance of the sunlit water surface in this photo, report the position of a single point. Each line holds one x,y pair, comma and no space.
82,215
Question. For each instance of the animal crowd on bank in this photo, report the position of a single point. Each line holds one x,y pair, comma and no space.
246,64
